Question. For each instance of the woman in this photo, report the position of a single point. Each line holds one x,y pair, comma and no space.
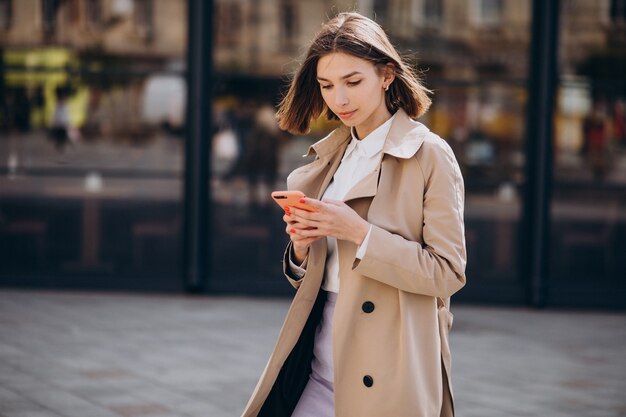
374,268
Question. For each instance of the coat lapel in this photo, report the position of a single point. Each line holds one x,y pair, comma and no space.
405,136
404,139
312,179
333,164
367,187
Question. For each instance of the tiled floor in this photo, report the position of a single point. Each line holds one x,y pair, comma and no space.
110,355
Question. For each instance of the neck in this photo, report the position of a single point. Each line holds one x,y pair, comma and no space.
376,119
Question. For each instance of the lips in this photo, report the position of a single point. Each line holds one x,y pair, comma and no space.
346,115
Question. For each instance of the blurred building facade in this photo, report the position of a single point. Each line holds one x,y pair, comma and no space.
149,28
93,130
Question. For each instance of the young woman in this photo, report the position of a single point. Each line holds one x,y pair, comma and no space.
375,266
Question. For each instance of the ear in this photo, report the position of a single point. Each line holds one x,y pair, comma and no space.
389,73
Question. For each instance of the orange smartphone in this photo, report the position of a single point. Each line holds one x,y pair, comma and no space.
291,199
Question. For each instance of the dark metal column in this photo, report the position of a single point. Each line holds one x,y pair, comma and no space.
3,97
539,148
197,150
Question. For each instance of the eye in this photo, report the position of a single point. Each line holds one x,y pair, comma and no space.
353,83
326,87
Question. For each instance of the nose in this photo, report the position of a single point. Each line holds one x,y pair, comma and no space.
341,98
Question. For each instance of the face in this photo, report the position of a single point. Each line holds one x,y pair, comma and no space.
354,90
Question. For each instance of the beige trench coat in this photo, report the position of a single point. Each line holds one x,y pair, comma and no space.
414,262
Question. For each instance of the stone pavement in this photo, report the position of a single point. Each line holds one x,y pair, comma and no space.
74,354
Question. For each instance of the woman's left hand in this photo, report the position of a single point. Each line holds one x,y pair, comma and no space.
334,218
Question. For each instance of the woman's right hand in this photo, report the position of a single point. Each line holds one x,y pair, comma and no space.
300,243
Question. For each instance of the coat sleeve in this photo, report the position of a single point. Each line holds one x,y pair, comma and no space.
436,267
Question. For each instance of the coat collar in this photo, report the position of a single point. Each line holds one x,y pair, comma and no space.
404,139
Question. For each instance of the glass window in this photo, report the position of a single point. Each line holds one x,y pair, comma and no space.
143,13
479,86
91,139
488,12
6,12
94,12
423,13
122,8
229,23
49,10
289,23
478,80
380,10
250,156
73,10
618,11
433,11
589,205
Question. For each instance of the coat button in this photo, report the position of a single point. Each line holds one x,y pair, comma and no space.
368,381
368,307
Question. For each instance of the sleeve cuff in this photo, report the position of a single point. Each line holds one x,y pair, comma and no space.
360,253
297,270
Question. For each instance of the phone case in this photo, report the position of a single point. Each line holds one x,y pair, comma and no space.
291,199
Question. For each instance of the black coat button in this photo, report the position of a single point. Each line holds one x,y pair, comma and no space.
368,307
368,381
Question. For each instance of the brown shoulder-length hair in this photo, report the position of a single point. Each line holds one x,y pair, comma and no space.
359,36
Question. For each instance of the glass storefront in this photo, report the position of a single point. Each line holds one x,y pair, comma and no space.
478,107
92,133
588,210
250,156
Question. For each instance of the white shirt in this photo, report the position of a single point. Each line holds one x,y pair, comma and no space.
360,159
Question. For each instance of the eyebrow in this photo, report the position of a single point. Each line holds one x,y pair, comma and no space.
343,78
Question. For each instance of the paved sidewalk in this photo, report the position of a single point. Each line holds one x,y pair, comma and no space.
110,355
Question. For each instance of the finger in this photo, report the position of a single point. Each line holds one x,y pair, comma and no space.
301,230
316,204
306,217
292,229
288,219
307,223
305,214
295,227
299,226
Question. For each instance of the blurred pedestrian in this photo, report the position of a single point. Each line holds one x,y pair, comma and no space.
240,119
595,147
62,132
262,150
22,109
39,106
618,122
376,263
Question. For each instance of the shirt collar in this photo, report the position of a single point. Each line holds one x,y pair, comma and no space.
373,143
404,139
